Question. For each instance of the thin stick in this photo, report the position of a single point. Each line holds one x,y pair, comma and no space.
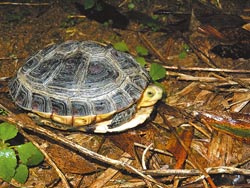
151,47
204,69
187,77
108,174
12,118
196,172
191,156
25,4
154,150
144,156
50,161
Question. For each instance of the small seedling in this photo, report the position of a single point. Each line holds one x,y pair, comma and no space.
142,51
121,46
185,50
15,160
131,6
157,72
88,4
92,4
108,23
141,61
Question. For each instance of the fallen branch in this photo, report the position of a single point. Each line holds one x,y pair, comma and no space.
50,161
146,174
186,77
31,126
205,69
195,172
25,4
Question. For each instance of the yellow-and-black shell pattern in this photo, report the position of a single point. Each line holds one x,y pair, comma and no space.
78,78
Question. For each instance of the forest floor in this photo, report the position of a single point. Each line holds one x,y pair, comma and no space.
205,49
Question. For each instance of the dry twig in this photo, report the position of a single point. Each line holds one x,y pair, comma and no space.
205,69
109,173
190,154
24,4
74,146
50,161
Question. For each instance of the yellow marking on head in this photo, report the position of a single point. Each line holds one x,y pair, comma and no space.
150,96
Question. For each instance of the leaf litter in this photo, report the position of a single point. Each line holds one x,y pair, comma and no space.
199,132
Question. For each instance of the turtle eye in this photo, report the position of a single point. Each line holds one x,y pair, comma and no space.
150,94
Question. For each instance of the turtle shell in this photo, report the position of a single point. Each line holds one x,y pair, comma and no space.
78,79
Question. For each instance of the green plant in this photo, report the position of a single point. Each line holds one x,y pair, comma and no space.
131,6
185,50
141,61
141,51
15,160
108,23
88,4
121,46
157,72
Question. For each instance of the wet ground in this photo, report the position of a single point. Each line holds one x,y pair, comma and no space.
199,51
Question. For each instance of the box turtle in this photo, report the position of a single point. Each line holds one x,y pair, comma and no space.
86,86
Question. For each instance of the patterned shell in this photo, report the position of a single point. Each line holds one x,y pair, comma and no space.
78,79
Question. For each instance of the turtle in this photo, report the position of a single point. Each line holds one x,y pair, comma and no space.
86,86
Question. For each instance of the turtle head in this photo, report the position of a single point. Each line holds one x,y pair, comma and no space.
150,96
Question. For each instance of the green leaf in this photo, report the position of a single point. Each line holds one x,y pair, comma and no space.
141,61
182,55
186,47
121,46
141,50
131,6
155,17
29,154
7,131
184,52
89,4
22,173
157,72
8,164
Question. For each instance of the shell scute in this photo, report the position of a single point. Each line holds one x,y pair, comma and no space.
68,47
140,81
100,72
59,107
14,87
81,108
103,106
46,51
23,97
31,63
69,73
44,70
125,61
120,100
40,103
133,91
92,48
